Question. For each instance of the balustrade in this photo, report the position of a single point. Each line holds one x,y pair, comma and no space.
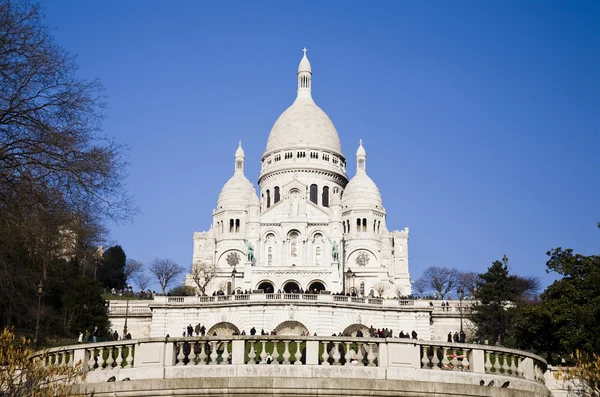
288,350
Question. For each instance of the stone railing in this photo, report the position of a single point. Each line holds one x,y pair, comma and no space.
313,298
152,358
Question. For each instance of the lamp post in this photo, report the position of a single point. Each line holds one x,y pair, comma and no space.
40,292
349,275
461,294
126,313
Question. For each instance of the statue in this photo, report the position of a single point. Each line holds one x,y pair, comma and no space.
249,251
335,251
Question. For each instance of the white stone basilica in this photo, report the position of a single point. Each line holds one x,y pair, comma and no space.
312,228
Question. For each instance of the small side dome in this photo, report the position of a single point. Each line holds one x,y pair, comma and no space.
237,193
362,192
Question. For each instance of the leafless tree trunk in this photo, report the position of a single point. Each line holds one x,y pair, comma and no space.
165,271
420,285
468,281
132,268
381,287
202,274
441,279
142,280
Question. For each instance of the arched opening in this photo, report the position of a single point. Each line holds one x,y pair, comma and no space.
223,329
237,225
325,198
316,287
291,328
351,330
291,287
313,193
276,196
231,226
268,198
267,287
364,224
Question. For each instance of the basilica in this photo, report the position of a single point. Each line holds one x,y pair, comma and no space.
310,228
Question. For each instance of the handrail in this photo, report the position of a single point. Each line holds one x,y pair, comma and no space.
299,350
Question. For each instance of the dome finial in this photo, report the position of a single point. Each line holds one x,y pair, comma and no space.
304,76
361,158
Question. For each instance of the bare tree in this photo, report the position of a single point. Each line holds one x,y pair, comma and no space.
142,280
50,120
132,268
380,287
441,279
202,274
398,290
165,271
420,285
527,286
468,281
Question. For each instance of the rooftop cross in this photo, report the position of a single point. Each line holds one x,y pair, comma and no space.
304,50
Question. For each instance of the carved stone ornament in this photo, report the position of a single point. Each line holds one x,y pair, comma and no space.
233,258
362,259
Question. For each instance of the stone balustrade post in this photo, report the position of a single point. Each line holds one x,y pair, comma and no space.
238,352
79,356
312,352
477,360
382,355
153,353
527,368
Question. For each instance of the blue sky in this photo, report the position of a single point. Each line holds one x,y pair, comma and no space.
481,120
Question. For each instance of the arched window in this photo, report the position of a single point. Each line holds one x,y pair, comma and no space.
374,225
362,288
276,195
378,226
344,223
358,224
268,198
313,193
364,223
231,226
325,198
237,225
348,225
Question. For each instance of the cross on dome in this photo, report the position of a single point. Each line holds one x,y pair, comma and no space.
304,50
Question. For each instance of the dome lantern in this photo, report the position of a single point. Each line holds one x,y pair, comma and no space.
239,159
304,77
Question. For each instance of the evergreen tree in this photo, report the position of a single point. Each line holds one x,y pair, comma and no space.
497,297
83,306
568,316
112,268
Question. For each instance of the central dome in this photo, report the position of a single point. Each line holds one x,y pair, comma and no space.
304,125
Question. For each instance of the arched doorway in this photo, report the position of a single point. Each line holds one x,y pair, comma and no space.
223,329
351,330
316,287
267,287
291,328
291,287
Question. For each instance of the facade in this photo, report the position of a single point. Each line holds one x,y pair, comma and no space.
309,228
